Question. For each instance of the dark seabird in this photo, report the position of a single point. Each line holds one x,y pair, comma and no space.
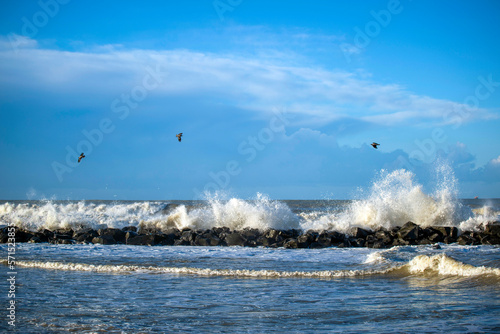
179,136
374,144
81,157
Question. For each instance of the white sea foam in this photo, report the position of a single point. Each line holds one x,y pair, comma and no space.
395,198
421,264
445,265
59,215
261,213
124,269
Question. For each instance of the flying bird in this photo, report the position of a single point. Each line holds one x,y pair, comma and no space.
374,144
81,157
179,136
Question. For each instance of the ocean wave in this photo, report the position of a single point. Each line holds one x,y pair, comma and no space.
444,265
440,264
394,199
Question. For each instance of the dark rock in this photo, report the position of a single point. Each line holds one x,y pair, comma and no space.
264,241
129,229
465,240
235,239
316,244
220,230
143,239
180,242
360,242
104,240
305,240
358,232
449,240
47,234
400,242
201,241
324,239
64,231
250,234
274,234
436,237
213,239
19,235
385,237
85,235
188,235
492,228
130,234
117,234
409,231
290,243
378,244
35,240
490,240
447,231
65,241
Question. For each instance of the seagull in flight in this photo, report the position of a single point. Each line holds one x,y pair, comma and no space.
374,144
81,157
179,136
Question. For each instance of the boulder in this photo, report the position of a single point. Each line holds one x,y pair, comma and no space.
290,243
264,241
384,237
117,234
104,240
305,240
324,239
143,239
446,231
85,235
35,240
492,228
409,231
235,239
490,239
358,232
129,229
250,233
188,236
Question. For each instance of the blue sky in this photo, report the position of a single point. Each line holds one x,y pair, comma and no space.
277,97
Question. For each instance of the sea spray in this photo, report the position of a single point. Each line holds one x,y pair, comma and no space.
396,198
236,214
53,215
393,199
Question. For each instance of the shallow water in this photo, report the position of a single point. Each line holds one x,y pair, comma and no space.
61,288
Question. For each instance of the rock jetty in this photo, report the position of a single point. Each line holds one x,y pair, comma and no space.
408,234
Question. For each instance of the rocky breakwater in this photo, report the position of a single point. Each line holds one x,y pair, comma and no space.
408,234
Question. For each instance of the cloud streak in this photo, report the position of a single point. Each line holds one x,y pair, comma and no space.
249,83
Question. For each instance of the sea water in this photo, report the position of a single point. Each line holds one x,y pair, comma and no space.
163,289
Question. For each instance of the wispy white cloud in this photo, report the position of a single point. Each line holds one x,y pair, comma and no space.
250,83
